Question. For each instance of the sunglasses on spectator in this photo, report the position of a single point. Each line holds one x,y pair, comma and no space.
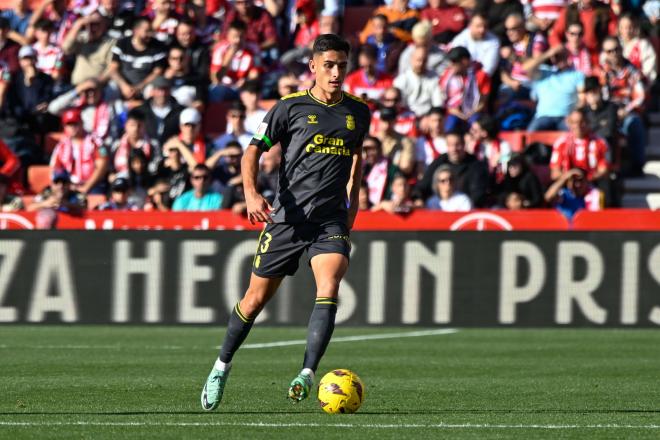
199,176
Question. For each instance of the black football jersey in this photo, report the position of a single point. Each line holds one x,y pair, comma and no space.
318,141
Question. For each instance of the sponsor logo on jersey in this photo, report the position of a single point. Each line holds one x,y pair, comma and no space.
312,119
350,122
327,145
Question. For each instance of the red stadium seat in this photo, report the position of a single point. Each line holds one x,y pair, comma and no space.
516,139
544,137
38,178
94,200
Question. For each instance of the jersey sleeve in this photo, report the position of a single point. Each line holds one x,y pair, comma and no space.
273,128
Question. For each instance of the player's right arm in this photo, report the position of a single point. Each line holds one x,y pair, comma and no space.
258,209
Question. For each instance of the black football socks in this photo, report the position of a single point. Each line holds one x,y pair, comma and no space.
237,330
319,331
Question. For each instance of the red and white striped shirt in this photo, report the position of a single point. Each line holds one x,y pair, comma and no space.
546,9
78,159
49,58
358,83
589,153
240,65
405,124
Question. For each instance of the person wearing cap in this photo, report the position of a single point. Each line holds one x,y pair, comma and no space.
483,45
8,50
233,61
465,88
100,117
398,148
119,197
235,128
80,155
161,111
89,43
190,141
189,88
200,197
418,84
59,196
137,60
367,82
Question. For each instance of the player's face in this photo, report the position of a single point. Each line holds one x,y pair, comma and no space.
329,69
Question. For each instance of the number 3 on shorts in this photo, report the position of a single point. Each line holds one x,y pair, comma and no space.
262,247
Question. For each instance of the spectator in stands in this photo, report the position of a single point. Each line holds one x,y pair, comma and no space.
254,113
49,56
190,141
520,180
436,58
406,121
328,24
134,138
578,54
597,18
8,201
639,51
163,19
482,45
137,60
18,17
197,51
56,11
92,49
306,30
401,19
233,62
378,170
10,168
367,82
119,17
388,47
80,155
431,144
446,196
496,12
118,200
60,196
203,25
199,198
523,45
484,143
189,88
363,201
624,87
601,115
161,112
173,170
572,192
29,93
471,174
225,166
139,177
399,200
398,148
542,14
287,84
159,197
465,88
8,51
100,118
235,128
555,89
579,148
447,19
259,24
419,85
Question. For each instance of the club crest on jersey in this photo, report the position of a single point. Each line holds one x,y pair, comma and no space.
312,119
350,122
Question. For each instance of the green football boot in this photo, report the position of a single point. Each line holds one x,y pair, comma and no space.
213,389
299,388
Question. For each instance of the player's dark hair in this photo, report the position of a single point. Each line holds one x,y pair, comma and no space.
327,42
238,25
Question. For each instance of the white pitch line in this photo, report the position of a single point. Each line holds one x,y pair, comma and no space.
413,334
337,425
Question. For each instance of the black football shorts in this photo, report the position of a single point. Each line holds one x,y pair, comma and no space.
281,245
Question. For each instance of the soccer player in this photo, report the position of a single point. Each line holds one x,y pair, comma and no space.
320,131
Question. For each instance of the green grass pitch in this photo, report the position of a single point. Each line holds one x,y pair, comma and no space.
144,382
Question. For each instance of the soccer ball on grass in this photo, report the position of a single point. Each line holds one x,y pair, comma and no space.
341,391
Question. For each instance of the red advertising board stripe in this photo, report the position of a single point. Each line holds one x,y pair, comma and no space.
617,220
421,220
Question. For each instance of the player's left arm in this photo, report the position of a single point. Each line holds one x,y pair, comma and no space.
353,186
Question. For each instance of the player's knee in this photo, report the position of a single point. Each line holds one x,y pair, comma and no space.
327,287
252,304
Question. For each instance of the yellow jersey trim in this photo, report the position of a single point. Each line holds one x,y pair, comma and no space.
309,92
293,95
355,98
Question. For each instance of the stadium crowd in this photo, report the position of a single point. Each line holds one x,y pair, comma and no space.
130,88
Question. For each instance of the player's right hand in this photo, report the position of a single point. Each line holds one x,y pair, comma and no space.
258,208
